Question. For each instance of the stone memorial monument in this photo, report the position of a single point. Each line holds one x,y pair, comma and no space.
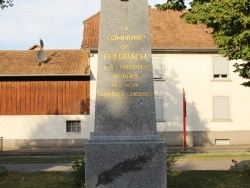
125,149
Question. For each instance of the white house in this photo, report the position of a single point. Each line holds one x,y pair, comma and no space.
184,56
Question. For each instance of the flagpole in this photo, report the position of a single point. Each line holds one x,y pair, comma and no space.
184,121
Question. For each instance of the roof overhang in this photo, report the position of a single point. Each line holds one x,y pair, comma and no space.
185,50
45,75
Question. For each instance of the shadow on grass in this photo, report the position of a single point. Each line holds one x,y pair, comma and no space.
37,179
207,179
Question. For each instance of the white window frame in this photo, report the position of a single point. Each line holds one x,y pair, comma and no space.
73,126
221,108
160,108
158,67
220,68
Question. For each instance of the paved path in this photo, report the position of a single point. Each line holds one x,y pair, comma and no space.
182,165
213,164
34,167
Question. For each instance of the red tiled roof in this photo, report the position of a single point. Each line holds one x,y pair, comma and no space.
59,62
91,31
168,31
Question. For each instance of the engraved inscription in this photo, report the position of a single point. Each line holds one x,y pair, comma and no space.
131,84
140,94
138,37
126,84
124,28
116,84
123,67
122,94
110,94
126,76
126,67
134,67
125,56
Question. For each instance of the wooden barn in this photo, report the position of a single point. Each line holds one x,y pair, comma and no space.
29,88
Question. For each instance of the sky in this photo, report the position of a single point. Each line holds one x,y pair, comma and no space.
59,23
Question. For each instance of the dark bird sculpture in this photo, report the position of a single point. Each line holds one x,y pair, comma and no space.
41,43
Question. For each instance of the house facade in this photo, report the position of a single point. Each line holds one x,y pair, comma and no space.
52,103
185,57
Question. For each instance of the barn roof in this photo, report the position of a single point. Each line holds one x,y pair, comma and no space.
59,62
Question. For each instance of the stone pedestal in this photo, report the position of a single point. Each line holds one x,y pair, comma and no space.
123,164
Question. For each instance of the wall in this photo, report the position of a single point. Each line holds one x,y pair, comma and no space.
190,71
194,73
40,131
44,95
25,120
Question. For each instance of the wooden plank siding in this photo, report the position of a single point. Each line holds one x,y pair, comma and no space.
44,97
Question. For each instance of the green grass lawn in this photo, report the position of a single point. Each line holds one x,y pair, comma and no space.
208,179
201,156
187,179
184,179
43,159
36,180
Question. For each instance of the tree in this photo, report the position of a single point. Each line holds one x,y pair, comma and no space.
230,20
6,3
172,5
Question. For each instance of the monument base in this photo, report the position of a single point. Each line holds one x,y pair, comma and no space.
130,164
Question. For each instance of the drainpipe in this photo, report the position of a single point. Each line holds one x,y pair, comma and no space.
1,138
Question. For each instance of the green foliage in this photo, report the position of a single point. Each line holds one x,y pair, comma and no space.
172,5
78,173
6,3
3,171
171,160
244,71
242,170
230,20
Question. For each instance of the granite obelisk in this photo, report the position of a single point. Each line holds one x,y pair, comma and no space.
125,149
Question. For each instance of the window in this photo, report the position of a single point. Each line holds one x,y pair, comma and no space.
73,126
157,68
221,108
159,108
220,68
222,142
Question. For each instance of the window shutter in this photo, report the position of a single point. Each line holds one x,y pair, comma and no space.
159,107
220,65
157,68
221,108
